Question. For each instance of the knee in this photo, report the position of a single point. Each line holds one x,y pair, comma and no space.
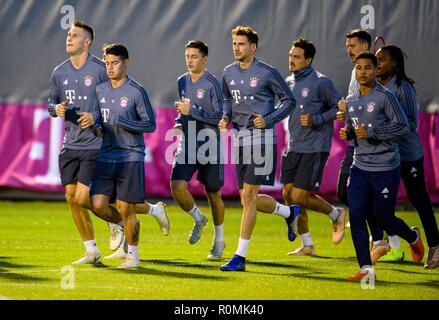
97,205
70,198
286,194
249,196
82,201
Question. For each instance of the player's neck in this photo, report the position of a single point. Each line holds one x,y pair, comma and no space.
366,89
78,60
385,79
247,62
116,83
197,75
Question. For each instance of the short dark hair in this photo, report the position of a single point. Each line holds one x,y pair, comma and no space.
361,34
367,55
116,49
200,45
307,46
251,35
86,27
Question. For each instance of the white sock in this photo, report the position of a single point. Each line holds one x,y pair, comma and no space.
195,213
91,246
334,214
154,210
281,210
218,236
242,247
133,250
306,239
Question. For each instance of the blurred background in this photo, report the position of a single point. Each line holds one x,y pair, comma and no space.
32,39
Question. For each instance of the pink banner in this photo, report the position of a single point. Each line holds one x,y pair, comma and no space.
30,141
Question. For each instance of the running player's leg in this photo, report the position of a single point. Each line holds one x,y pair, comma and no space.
70,168
360,197
180,177
217,206
386,185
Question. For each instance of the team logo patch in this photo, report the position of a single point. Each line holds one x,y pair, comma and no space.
254,82
88,81
200,93
305,92
370,107
124,102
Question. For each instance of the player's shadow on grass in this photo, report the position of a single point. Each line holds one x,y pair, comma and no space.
181,263
378,282
162,273
7,273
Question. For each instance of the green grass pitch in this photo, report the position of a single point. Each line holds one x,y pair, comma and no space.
39,242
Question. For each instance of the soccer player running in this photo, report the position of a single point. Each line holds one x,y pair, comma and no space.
357,41
126,114
250,87
375,120
311,127
391,74
200,110
72,96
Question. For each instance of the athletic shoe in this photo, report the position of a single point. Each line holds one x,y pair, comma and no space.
432,258
89,258
217,250
292,222
395,254
129,262
379,250
417,249
116,236
121,252
237,263
163,219
338,226
304,251
197,229
361,275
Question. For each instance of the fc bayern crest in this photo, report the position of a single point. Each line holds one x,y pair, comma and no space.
370,107
200,93
305,92
254,82
88,81
124,102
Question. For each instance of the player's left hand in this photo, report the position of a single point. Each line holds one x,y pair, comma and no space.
305,119
183,106
259,121
86,120
361,131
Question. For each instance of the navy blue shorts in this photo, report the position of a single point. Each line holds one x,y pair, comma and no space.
77,165
210,175
124,181
255,166
304,170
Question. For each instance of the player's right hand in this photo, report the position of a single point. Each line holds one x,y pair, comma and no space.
222,125
344,133
61,109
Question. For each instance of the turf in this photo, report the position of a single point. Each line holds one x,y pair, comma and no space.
38,240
